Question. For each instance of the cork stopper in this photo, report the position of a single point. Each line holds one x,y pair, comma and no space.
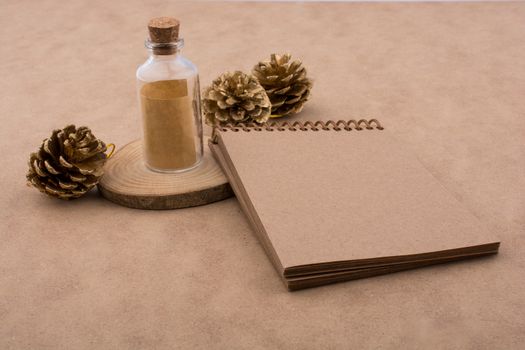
163,30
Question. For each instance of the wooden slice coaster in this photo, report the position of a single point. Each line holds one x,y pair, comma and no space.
128,182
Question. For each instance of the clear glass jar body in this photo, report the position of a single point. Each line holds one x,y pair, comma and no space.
169,99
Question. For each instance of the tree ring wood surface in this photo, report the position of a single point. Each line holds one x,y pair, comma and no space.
128,182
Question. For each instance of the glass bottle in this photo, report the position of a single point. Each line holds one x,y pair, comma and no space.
169,98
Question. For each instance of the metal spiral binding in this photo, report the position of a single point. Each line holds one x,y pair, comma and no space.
339,125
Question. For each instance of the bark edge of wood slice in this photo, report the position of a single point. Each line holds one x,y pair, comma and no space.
128,182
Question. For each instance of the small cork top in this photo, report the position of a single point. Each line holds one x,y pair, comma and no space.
163,29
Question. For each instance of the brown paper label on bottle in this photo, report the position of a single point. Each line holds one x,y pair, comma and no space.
169,130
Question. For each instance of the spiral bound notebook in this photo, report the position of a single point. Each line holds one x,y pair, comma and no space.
335,201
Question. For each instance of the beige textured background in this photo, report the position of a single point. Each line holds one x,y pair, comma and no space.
449,79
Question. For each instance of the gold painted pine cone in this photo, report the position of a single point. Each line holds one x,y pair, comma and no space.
285,82
68,164
235,97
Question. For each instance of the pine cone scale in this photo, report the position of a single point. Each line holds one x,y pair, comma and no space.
67,186
65,163
282,91
78,178
292,100
298,89
50,168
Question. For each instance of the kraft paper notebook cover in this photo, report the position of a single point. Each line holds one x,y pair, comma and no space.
337,201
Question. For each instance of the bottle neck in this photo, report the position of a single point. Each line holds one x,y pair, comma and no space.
163,55
164,50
